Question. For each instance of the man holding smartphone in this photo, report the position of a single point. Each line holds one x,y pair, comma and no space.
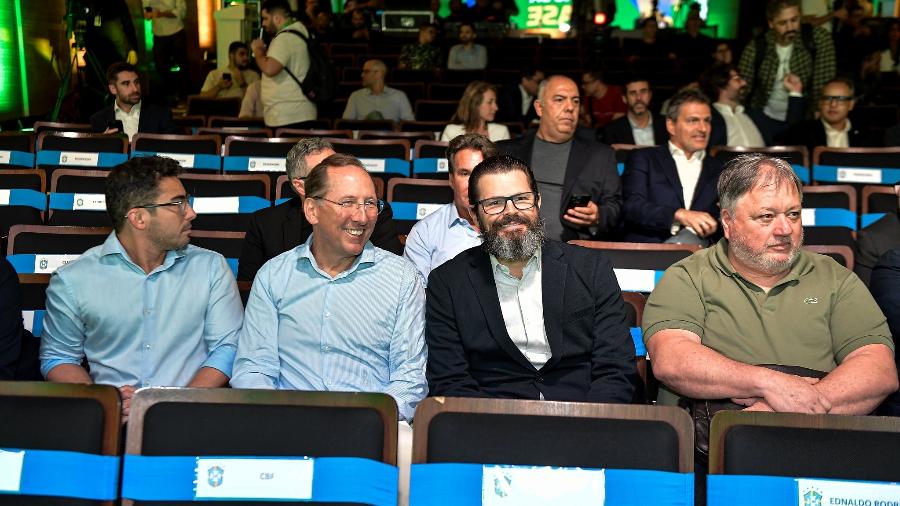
576,175
128,114
231,81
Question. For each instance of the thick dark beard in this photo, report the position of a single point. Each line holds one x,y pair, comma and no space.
517,248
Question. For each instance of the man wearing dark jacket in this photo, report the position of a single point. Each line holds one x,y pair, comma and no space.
639,126
576,175
833,128
128,114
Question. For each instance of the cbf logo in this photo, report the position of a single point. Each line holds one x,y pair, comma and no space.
64,159
252,164
215,476
79,202
44,263
812,497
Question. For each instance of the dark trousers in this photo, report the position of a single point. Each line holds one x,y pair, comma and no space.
169,51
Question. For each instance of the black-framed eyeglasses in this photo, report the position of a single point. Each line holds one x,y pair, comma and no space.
496,205
842,99
348,206
182,204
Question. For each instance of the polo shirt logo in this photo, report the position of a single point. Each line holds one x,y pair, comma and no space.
811,300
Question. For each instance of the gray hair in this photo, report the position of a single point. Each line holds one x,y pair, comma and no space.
296,157
746,172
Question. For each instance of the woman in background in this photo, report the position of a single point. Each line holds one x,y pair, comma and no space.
475,114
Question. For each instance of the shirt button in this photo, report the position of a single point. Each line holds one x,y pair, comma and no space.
327,315
146,311
540,379
326,348
145,383
147,346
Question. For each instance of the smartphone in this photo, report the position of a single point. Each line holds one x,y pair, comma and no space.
148,9
226,76
578,201
115,124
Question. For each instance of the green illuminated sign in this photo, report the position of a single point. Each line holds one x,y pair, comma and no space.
543,14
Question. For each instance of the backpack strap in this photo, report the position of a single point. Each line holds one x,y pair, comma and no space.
306,40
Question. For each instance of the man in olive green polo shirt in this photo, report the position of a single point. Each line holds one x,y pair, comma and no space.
757,298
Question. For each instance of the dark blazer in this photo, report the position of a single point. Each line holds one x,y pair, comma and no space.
619,131
470,353
892,136
874,241
885,286
769,128
154,119
509,105
653,192
18,348
274,230
811,133
591,170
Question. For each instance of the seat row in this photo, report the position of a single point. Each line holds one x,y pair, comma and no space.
258,446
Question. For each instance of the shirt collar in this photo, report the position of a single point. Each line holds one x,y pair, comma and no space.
113,247
802,266
634,125
678,152
830,129
134,110
727,110
365,259
533,264
455,219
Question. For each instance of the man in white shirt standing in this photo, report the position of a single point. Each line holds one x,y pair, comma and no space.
467,55
375,100
284,65
169,42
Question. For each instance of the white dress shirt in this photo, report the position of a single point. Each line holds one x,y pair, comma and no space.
837,138
688,174
522,305
741,129
130,120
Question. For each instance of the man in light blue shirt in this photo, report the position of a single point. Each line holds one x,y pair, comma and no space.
336,313
450,229
145,308
376,100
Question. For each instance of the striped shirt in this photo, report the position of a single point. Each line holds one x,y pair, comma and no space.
360,331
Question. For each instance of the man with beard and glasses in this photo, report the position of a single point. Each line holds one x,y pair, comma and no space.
639,126
128,114
757,323
145,308
522,316
232,80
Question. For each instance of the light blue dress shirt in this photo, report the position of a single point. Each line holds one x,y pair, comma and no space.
141,329
439,237
360,331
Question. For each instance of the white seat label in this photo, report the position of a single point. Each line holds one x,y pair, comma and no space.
4,157
501,486
89,202
423,210
216,205
443,165
4,197
847,492
11,470
266,165
183,159
859,175
47,264
636,280
808,217
79,159
373,164
254,479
